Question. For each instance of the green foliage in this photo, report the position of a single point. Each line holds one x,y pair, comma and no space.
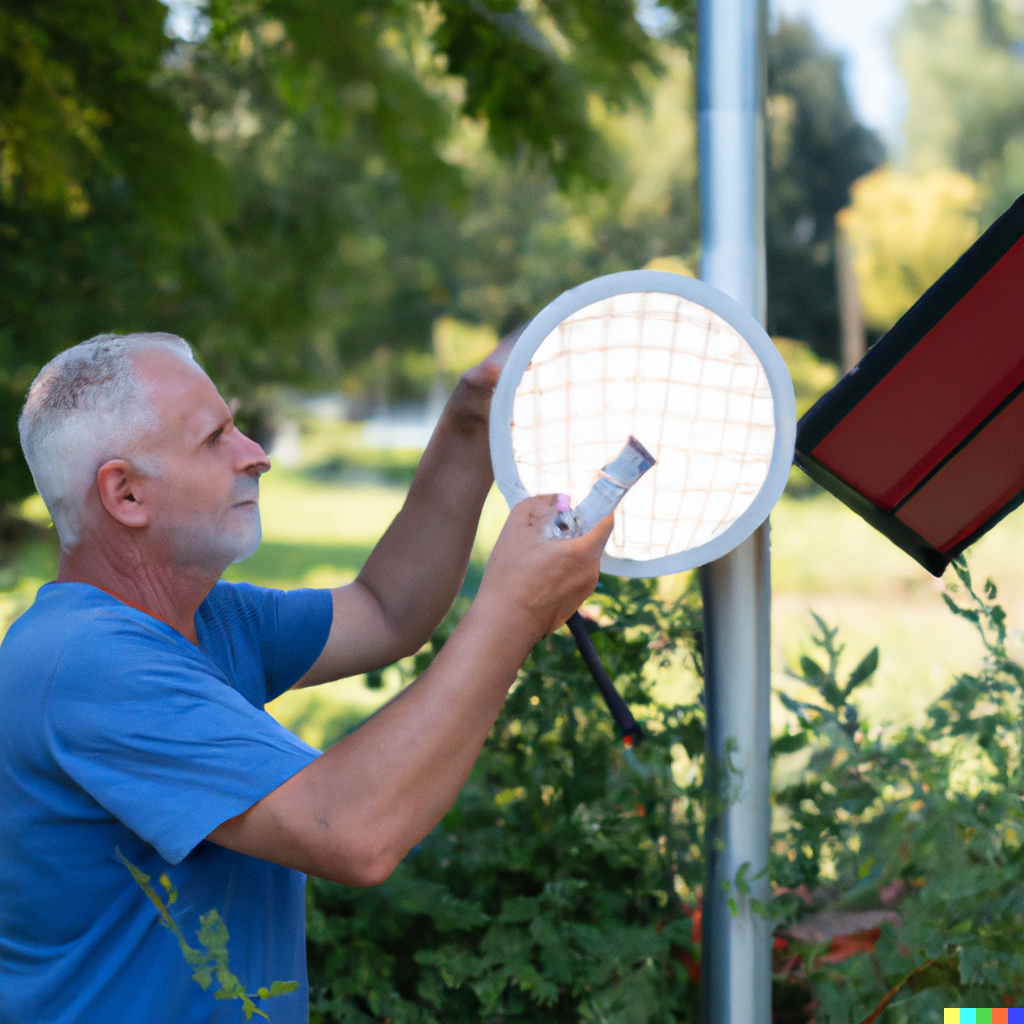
961,60
811,376
305,188
77,109
551,891
97,172
906,230
285,190
15,479
529,77
211,962
815,151
562,885
927,820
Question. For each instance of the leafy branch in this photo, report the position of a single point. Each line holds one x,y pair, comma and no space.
210,963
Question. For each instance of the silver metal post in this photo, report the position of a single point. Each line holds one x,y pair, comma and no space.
736,953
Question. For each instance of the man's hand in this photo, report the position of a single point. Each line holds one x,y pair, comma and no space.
534,579
470,402
351,815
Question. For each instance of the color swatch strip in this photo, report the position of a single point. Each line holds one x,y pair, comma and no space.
999,1015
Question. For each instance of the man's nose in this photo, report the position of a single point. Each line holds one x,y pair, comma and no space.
255,460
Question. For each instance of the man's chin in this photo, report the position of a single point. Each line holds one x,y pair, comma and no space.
212,548
250,546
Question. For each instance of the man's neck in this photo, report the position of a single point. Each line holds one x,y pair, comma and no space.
170,596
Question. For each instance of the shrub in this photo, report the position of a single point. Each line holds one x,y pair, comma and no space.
565,883
926,821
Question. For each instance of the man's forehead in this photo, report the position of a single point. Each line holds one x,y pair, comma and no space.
178,387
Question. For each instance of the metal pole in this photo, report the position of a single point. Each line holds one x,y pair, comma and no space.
736,953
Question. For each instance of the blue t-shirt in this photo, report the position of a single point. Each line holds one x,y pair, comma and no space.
117,735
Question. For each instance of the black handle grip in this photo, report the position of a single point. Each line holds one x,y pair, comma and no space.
631,732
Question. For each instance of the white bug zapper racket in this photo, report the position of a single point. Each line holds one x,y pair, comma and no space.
683,369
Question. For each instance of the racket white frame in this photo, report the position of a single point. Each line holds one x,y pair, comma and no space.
506,473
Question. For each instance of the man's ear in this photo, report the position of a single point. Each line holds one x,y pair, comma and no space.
119,487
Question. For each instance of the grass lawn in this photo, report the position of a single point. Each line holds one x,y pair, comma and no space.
319,528
826,559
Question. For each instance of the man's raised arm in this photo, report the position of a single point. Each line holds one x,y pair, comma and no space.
414,573
352,814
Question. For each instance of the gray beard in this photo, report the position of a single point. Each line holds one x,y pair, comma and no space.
250,548
209,549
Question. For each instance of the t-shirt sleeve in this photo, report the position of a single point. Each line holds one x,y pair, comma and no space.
303,623
160,740
286,630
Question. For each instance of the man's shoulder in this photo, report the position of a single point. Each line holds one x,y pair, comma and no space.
280,633
257,607
226,596
79,612
78,633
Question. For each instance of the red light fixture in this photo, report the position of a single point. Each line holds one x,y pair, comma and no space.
924,437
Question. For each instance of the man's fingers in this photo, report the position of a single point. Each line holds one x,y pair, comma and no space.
592,543
549,505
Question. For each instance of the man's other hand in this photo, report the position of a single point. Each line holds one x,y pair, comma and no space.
470,402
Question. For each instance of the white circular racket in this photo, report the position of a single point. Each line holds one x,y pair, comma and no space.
680,366
683,369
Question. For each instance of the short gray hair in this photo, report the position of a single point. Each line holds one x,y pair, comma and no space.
85,407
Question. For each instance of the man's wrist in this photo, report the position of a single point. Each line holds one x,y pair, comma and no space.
505,626
468,408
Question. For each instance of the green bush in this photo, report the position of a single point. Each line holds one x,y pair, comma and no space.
926,821
563,885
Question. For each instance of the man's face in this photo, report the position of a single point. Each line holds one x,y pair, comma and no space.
204,508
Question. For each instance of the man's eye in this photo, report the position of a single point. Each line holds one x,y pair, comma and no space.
215,437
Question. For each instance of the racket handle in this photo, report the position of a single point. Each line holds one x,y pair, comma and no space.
631,732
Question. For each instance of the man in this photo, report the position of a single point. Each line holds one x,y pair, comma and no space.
135,754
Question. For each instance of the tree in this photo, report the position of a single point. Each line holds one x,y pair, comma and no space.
815,150
94,165
961,60
906,230
279,189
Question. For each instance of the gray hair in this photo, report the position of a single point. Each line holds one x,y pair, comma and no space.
85,407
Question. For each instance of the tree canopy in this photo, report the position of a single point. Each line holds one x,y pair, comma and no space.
906,231
280,189
963,62
303,190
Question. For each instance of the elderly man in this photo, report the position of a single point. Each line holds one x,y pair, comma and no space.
133,741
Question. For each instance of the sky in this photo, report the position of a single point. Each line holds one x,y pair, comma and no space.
858,29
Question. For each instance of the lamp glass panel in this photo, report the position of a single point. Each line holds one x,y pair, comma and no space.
680,379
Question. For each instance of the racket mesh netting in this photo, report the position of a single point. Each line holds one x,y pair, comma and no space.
680,379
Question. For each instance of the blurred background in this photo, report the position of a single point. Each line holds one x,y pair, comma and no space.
342,206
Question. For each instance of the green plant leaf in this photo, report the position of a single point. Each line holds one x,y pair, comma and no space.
863,672
787,743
